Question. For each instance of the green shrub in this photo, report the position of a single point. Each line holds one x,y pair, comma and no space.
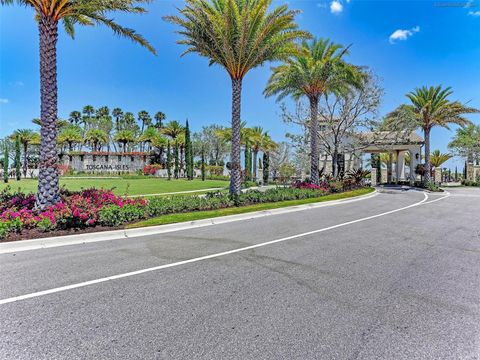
110,215
45,225
4,230
432,187
115,215
218,177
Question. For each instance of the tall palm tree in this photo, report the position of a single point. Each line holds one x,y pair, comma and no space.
96,138
48,15
149,136
145,119
437,158
238,35
173,129
159,117
160,142
255,139
70,135
125,137
27,137
318,68
117,113
75,117
430,107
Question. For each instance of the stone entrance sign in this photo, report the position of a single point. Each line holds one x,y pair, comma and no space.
105,162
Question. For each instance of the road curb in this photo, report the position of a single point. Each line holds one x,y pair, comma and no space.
51,242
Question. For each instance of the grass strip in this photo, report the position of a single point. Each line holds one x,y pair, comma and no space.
198,215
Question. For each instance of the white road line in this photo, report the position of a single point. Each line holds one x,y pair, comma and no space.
206,257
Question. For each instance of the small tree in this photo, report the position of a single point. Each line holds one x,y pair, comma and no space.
18,167
169,161
203,164
266,167
5,162
177,165
248,161
188,153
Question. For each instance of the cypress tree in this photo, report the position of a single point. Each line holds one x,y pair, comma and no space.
188,153
176,168
456,173
266,167
203,163
5,162
465,171
248,161
169,161
17,158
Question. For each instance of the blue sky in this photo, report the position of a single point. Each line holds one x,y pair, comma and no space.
433,43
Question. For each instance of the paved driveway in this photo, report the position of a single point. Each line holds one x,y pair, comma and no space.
396,276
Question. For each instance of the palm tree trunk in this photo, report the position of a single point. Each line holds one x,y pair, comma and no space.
48,189
313,140
428,166
255,154
25,159
236,172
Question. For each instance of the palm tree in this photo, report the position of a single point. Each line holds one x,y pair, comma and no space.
88,112
160,142
159,117
48,15
437,158
75,117
70,135
27,137
317,69
117,113
125,137
173,129
430,107
96,138
255,139
149,136
238,35
145,119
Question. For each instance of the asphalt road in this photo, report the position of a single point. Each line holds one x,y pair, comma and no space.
383,278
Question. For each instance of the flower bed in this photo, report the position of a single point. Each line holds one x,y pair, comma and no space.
93,207
75,210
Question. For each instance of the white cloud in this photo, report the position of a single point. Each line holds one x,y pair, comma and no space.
17,83
403,34
3,101
336,7
474,13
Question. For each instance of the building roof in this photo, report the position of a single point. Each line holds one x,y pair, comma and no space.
391,138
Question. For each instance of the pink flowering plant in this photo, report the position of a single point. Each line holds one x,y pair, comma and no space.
75,210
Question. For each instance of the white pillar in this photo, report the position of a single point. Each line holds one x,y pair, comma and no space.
400,166
389,167
414,152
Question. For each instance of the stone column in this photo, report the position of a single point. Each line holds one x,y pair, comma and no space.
373,176
400,166
389,167
412,167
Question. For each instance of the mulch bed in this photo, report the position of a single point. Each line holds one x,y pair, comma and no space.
30,234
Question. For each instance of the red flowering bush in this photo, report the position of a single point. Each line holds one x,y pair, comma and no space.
75,210
307,185
151,169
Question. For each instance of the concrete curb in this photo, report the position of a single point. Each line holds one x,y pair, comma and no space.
51,242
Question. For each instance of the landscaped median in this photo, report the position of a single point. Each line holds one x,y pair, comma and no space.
98,209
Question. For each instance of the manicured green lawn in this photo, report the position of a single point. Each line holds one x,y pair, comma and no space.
140,186
198,215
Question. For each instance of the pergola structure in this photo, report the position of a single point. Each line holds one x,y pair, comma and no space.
398,143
